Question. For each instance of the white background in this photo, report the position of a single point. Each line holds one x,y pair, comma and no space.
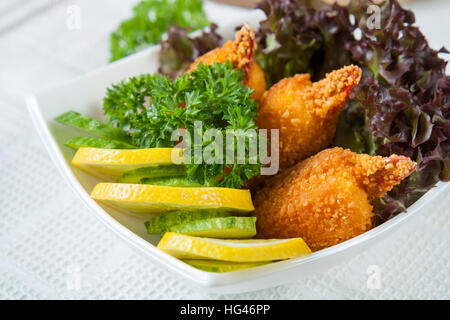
52,248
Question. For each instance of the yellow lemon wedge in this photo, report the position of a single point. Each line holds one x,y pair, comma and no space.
146,198
112,163
187,247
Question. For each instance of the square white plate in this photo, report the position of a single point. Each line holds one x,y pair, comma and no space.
85,94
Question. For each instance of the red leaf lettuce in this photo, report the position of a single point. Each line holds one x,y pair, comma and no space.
402,104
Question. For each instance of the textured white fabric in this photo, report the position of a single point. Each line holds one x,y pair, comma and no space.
52,247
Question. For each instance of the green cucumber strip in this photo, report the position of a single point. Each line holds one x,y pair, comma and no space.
98,128
166,220
221,266
222,228
135,176
173,182
94,142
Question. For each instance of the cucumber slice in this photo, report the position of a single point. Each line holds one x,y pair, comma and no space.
222,228
221,266
94,142
98,128
174,182
135,176
166,220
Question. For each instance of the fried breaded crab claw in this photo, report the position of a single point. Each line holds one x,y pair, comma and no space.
326,199
240,53
306,113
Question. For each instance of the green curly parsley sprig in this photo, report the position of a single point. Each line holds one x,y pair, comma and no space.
152,107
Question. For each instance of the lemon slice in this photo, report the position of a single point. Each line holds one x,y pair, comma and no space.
186,247
112,163
158,199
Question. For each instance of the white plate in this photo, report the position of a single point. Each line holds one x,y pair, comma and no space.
85,94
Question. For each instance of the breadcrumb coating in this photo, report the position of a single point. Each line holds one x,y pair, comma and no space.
325,199
240,53
306,113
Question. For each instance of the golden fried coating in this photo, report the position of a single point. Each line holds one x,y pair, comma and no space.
325,199
240,53
306,113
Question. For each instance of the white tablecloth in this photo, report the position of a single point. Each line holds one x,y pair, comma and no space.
51,247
